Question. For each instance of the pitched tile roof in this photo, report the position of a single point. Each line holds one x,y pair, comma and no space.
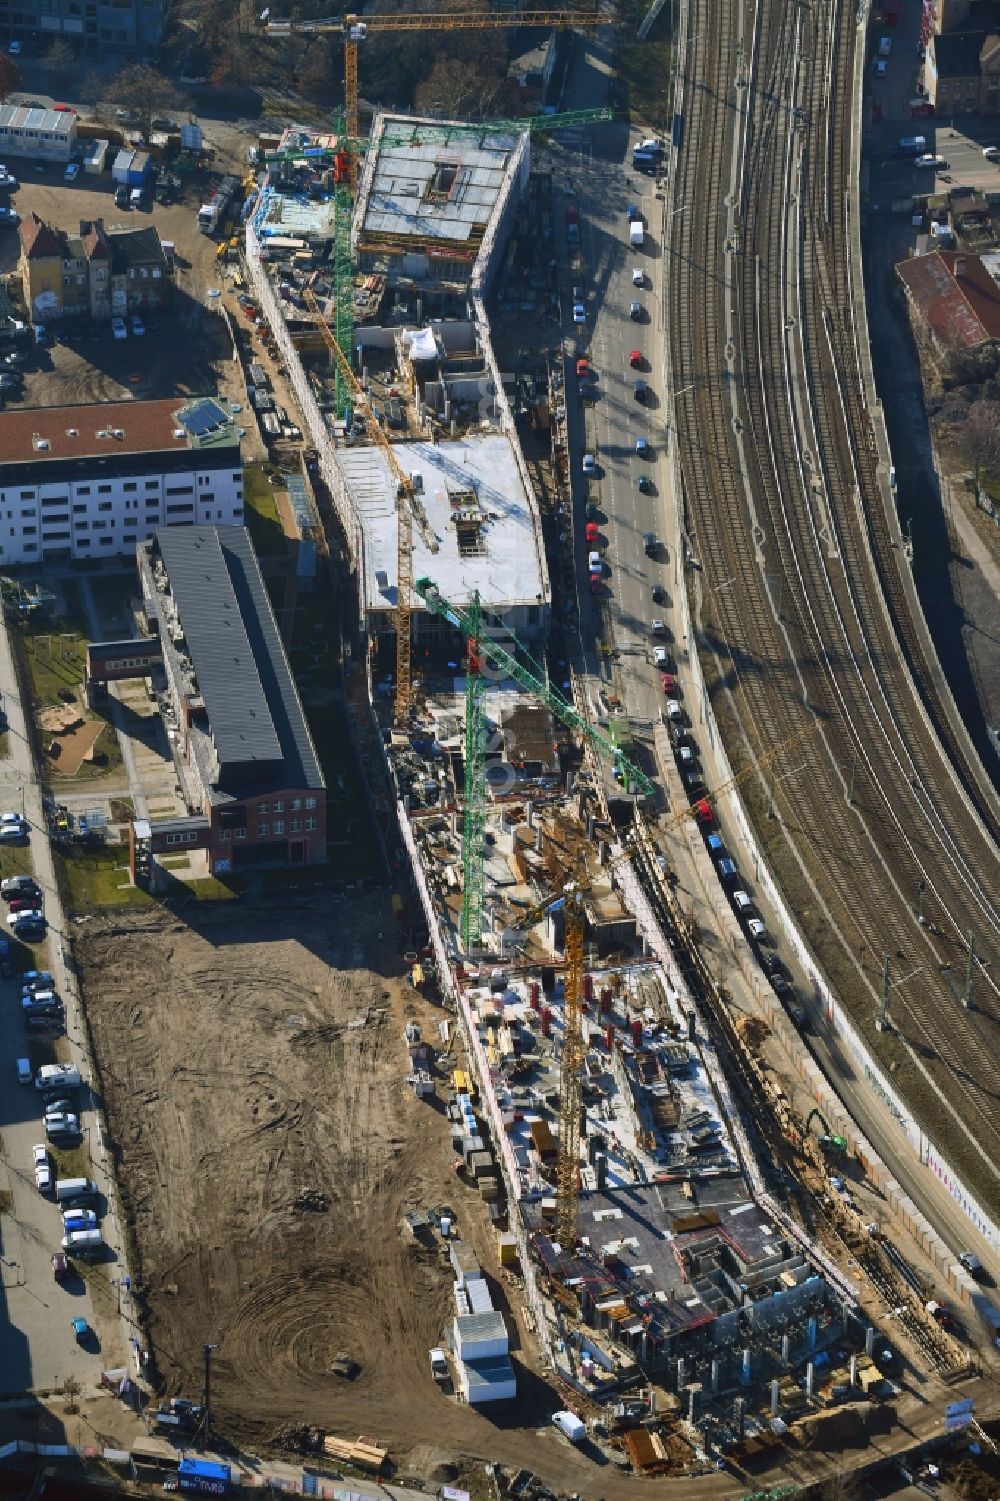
39,241
956,295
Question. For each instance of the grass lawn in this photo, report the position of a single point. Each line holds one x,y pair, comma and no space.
15,859
55,660
260,512
98,878
211,889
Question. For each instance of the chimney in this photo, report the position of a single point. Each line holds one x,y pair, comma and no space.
959,267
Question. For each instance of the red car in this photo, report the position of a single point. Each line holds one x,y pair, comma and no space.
703,811
60,1266
592,531
65,109
585,370
22,903
595,583
571,213
635,359
668,682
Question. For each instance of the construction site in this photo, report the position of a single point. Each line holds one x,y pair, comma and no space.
497,1152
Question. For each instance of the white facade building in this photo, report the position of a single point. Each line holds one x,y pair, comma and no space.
94,481
42,134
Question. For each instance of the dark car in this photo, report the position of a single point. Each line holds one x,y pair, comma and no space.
650,545
659,594
639,390
121,197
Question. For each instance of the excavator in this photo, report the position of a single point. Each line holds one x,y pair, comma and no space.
832,1145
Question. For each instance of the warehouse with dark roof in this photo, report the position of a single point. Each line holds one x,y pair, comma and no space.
240,723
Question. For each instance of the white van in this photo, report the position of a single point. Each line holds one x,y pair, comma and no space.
82,1243
58,1076
75,1188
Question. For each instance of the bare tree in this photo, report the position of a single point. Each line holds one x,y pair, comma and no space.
70,1391
60,59
979,436
143,92
10,76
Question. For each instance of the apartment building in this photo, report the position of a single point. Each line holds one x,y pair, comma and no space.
98,273
96,481
130,28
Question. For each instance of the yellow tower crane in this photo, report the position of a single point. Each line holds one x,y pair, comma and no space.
404,515
570,900
357,29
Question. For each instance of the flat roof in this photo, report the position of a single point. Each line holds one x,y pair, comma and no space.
45,121
253,708
38,434
507,570
294,214
433,181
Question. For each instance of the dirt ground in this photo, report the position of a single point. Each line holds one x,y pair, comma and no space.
184,350
267,1148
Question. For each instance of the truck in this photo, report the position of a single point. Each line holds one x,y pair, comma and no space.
911,145
212,214
636,234
439,1366
58,1076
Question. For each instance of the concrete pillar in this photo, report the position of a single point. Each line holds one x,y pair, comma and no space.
869,1339
644,1346
786,1350
811,1333
652,1401
681,1374
529,813
692,1401
715,1376
774,1397
854,1370
539,837
810,1371
745,1373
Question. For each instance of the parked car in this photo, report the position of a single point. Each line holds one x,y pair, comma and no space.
642,447
638,276
60,1123
639,390
650,546
79,1219
60,1266
17,887
991,153
32,917
72,171
579,313
13,833
121,197
138,328
118,328
589,464
43,1168
23,1067
635,359
645,484
35,979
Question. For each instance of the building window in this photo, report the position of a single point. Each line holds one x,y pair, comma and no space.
83,526
225,834
105,505
83,489
79,510
310,802
295,827
151,484
310,825
104,489
263,829
279,806
279,825
129,486
295,804
240,833
263,807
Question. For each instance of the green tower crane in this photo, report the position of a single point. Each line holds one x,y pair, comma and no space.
469,621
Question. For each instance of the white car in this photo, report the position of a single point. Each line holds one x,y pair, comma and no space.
673,710
118,328
58,1123
660,658
23,1066
43,1169
589,464
658,627
929,160
880,67
742,903
638,276
756,929
991,153
138,327
12,833
9,818
579,313
72,172
594,562
32,918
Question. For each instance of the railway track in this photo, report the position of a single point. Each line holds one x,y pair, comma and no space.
802,603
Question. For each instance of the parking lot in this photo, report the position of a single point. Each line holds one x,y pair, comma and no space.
182,352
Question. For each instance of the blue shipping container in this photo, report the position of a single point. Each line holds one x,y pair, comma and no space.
203,1477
